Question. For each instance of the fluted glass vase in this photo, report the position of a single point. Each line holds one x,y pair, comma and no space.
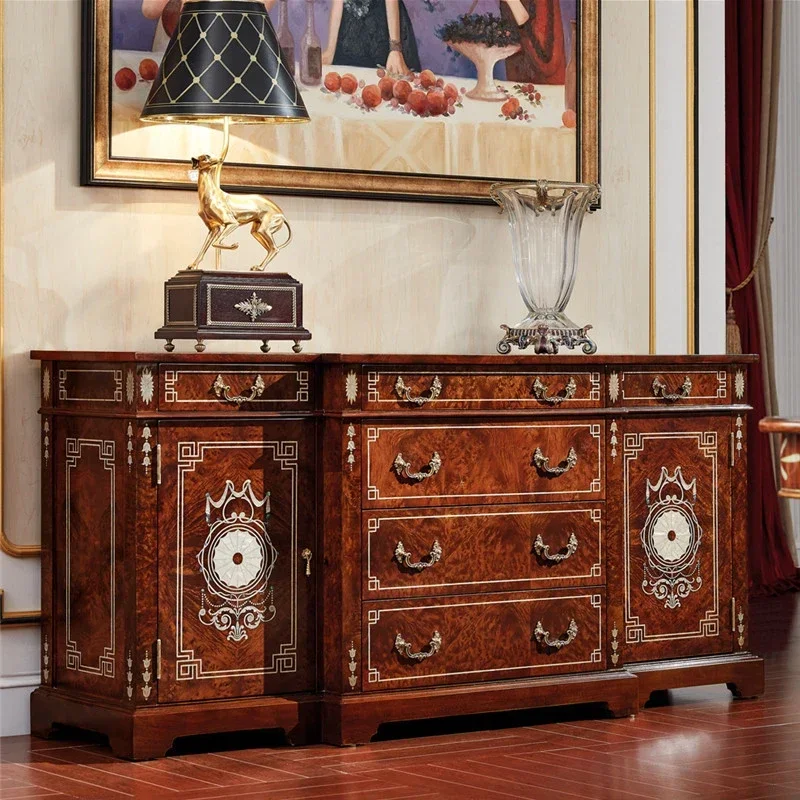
545,218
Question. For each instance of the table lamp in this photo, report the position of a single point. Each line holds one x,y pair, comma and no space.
224,65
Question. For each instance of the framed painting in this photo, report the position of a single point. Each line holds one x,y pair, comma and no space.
409,99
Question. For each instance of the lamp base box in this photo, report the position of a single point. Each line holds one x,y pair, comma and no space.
203,305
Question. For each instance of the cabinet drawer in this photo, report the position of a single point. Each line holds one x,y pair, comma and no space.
669,386
481,637
480,549
443,388
462,464
185,387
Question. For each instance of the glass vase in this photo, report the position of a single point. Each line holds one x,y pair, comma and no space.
545,218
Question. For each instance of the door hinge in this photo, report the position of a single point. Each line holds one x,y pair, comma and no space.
158,464
158,659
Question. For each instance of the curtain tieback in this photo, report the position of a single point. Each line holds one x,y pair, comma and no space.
733,336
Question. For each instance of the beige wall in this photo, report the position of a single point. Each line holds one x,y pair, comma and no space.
84,267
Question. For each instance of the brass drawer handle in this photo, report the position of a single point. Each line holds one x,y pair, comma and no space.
404,392
542,463
543,550
404,557
403,468
660,390
222,390
404,648
567,393
541,635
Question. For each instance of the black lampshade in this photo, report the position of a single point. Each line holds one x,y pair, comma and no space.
224,61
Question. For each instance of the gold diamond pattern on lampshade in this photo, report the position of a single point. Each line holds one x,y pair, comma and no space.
224,60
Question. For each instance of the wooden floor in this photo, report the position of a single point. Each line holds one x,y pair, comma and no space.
696,743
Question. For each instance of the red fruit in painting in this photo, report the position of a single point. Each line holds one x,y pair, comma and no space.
538,96
148,69
450,91
401,90
349,83
371,95
333,81
418,101
440,83
170,16
427,79
437,103
125,79
380,72
510,108
386,85
569,118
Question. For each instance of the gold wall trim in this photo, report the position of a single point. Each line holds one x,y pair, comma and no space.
652,65
691,200
6,545
18,618
691,166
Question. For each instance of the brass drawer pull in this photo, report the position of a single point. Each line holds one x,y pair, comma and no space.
222,390
543,550
541,635
404,392
660,390
404,648
567,393
542,463
403,468
404,557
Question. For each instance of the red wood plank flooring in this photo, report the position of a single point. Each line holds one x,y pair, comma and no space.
698,743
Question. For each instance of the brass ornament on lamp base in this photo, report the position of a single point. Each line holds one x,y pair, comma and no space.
224,65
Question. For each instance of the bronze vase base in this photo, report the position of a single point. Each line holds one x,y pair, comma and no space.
546,339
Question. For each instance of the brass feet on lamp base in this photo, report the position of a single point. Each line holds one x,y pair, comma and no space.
546,339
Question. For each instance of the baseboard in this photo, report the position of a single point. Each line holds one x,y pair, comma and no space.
15,693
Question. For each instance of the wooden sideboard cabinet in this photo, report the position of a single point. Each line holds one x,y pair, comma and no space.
327,543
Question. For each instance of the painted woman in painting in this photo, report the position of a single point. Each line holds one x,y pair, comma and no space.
372,33
542,58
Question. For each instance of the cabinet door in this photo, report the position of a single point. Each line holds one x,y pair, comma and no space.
670,484
236,513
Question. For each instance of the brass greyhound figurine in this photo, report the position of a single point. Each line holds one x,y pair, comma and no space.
223,213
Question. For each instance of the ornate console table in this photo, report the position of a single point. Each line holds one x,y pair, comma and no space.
326,543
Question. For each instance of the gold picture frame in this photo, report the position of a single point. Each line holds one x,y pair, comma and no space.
100,167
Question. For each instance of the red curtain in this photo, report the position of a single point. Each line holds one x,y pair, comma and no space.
772,565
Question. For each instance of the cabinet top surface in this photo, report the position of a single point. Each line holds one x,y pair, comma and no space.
386,358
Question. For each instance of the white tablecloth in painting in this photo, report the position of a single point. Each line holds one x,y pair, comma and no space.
475,141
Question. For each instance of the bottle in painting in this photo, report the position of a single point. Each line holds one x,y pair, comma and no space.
285,38
311,54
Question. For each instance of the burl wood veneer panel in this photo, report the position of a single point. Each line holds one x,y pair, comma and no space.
672,500
89,517
448,388
236,511
482,548
482,462
482,637
190,387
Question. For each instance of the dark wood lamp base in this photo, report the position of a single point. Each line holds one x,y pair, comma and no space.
201,305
